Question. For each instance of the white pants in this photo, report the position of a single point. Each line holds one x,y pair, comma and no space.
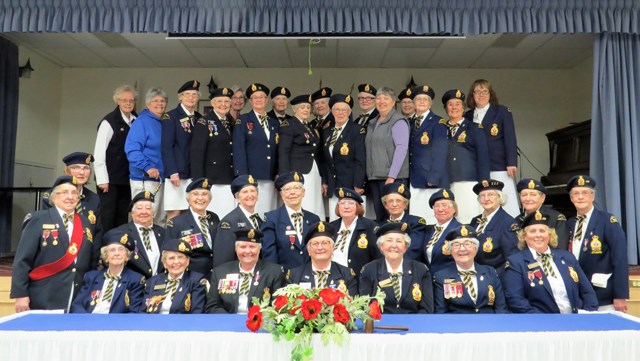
313,200
175,198
513,205
419,203
266,197
468,205
156,188
222,201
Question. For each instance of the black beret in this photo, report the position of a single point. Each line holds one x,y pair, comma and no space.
581,181
452,94
441,194
367,88
177,245
249,235
425,89
487,184
304,98
221,92
78,158
256,87
199,183
397,187
463,231
65,179
348,193
288,178
118,236
321,93
190,85
536,217
341,98
529,183
242,181
406,94
142,196
280,90
393,227
319,229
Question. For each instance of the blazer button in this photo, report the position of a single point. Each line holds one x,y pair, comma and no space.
312,153
150,270
455,158
301,252
269,157
268,145
73,269
477,310
349,261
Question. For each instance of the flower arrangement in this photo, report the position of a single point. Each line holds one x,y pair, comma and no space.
296,313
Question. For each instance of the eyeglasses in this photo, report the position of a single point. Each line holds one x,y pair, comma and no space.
421,100
116,250
127,101
581,193
80,168
200,194
481,92
319,244
395,201
237,98
407,102
291,189
347,203
190,95
259,97
442,206
337,110
366,99
465,244
71,194
156,101
488,196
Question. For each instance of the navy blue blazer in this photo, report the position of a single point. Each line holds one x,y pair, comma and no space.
139,261
500,132
345,166
418,226
529,296
299,146
604,250
276,246
185,225
340,277
253,153
558,222
498,241
468,156
489,293
176,142
268,278
441,255
362,243
428,148
127,297
417,287
189,298
224,246
212,150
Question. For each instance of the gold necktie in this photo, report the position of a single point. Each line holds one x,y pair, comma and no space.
334,136
79,204
578,236
418,120
435,237
246,282
342,241
254,220
264,121
395,282
65,220
482,222
546,264
172,286
108,293
468,283
322,278
297,221
145,238
204,226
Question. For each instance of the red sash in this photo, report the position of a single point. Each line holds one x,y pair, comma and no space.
50,269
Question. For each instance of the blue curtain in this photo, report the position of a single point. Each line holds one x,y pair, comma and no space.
291,17
615,130
8,130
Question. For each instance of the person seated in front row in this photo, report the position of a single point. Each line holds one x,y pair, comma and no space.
321,272
235,283
467,286
178,290
543,279
406,283
116,289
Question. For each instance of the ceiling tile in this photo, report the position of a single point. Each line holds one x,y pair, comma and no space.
260,43
88,40
152,40
276,57
535,40
78,57
415,43
218,58
499,58
407,58
208,43
48,40
480,41
454,58
571,41
163,57
548,59
320,57
370,57
363,43
124,57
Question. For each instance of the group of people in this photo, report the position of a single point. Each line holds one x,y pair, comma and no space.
200,263
162,150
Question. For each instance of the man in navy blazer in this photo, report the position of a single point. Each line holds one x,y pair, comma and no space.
599,243
434,248
285,227
255,145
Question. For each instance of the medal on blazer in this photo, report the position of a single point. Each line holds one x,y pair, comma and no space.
210,126
494,130
95,295
306,135
538,275
89,235
424,139
250,128
416,293
344,150
54,233
531,278
574,274
92,217
487,246
342,287
446,250
186,124
492,296
362,241
462,137
256,279
187,302
596,245
127,301
292,236
266,296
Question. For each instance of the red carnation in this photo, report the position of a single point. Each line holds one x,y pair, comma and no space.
254,318
280,302
340,313
331,296
294,310
374,310
311,309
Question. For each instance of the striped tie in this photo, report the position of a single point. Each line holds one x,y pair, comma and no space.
395,282
108,293
246,282
145,237
172,286
79,204
435,237
264,119
297,221
204,226
453,129
468,283
580,229
342,241
482,222
65,220
334,136
254,220
546,264
321,278
418,121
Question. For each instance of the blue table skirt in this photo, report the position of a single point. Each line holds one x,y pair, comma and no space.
441,324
